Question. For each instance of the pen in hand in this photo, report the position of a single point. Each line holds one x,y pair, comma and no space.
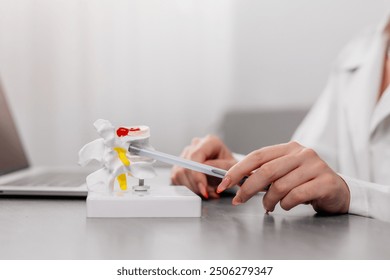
189,164
174,160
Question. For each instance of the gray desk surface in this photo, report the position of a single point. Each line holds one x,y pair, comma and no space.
39,228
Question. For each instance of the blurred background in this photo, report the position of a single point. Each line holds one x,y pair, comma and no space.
185,68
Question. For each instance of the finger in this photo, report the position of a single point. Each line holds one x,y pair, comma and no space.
185,154
203,190
177,173
281,187
195,141
180,178
266,174
198,181
302,194
212,193
183,178
208,147
327,193
255,160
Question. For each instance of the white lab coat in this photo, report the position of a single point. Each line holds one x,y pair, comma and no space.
350,129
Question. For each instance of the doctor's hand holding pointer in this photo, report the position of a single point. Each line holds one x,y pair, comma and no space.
297,176
208,150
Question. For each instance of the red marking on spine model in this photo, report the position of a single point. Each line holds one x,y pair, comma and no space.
123,131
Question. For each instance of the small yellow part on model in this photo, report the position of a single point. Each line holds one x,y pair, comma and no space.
122,155
122,177
122,181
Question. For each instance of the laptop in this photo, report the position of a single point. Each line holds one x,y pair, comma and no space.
17,177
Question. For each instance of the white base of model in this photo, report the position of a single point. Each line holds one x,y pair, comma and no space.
157,201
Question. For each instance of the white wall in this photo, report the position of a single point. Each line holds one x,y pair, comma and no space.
283,50
176,66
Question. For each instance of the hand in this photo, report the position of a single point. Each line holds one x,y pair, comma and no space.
298,176
208,150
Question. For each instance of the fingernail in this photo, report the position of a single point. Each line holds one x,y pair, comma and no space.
224,184
237,200
203,190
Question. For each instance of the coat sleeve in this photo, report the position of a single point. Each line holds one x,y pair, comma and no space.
368,199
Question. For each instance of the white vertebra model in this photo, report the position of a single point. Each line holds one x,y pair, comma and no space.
111,151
